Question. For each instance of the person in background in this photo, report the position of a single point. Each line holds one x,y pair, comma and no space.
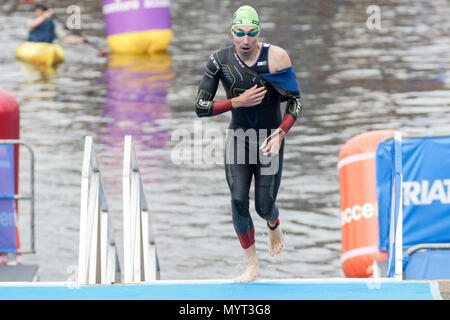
43,29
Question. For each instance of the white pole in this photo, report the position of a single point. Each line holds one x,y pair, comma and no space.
82,250
128,266
399,230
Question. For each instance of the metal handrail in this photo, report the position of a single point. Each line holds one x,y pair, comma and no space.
422,246
29,196
141,262
97,260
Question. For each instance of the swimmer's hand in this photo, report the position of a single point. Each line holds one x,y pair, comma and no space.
271,146
249,98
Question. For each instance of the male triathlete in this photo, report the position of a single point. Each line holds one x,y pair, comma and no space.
256,77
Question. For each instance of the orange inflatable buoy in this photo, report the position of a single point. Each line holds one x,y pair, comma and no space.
359,209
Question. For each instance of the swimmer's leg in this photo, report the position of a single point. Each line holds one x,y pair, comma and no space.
242,222
267,183
269,211
275,242
252,272
239,178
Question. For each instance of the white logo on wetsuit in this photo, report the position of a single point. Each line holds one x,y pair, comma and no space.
299,107
238,60
214,62
203,103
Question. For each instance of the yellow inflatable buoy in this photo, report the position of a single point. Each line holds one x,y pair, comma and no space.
40,53
143,42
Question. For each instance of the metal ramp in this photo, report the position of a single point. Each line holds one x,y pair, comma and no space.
141,263
98,258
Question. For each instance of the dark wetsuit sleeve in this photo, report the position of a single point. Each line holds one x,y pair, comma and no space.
204,104
293,110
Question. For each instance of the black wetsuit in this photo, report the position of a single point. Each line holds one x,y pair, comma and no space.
248,129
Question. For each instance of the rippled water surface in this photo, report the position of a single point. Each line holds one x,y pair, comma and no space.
352,79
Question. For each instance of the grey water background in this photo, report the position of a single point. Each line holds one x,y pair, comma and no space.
352,79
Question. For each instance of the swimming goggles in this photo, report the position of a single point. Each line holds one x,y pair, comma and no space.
252,33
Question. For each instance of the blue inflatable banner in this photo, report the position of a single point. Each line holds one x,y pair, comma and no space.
7,202
425,166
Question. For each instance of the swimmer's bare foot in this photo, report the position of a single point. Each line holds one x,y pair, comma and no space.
276,239
252,271
249,275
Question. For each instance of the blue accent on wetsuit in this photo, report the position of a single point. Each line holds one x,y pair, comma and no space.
285,82
45,32
285,78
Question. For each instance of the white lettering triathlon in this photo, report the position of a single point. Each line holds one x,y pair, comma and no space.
358,212
426,192
415,193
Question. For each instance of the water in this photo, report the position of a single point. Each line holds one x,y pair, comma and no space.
352,79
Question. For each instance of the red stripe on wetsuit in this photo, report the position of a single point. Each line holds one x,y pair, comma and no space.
287,123
247,239
222,106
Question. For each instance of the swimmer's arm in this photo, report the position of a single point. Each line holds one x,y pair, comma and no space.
293,110
204,104
279,60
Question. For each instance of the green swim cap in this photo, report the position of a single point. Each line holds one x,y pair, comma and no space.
245,16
